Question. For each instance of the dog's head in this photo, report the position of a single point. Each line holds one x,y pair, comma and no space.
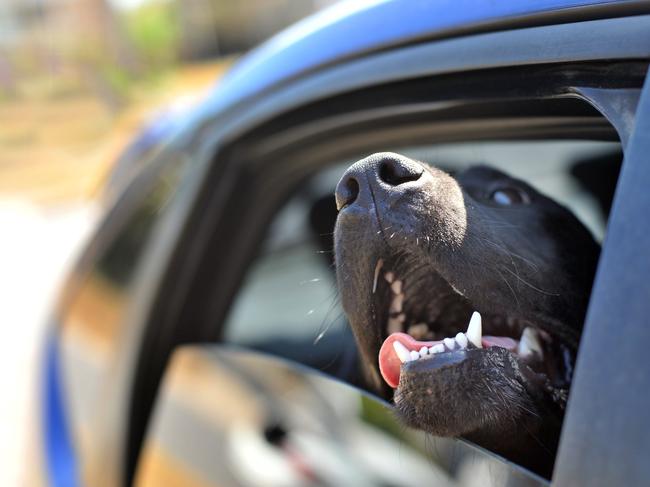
418,253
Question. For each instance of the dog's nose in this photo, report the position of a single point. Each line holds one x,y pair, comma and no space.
384,171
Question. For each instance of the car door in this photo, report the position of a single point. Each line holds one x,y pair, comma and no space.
267,164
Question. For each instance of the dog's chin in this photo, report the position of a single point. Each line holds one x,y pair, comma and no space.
465,392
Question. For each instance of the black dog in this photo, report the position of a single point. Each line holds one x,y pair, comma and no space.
418,251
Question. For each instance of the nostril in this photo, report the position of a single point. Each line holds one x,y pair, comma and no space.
347,193
396,171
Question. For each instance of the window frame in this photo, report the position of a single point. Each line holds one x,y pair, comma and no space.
190,235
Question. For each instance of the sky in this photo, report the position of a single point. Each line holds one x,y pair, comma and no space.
128,4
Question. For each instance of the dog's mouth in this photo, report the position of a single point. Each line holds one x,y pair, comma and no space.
427,324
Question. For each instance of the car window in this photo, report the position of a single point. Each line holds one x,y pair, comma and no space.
288,304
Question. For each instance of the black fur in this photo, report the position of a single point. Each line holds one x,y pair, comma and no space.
529,264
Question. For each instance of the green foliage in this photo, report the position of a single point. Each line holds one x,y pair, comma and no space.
117,79
381,417
154,32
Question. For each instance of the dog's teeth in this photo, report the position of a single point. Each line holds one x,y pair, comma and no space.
424,351
439,348
396,304
402,352
389,276
396,324
450,343
474,330
378,267
414,355
529,343
461,339
396,286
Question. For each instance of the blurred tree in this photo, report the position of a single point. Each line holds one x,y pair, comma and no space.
224,27
104,52
154,31
108,47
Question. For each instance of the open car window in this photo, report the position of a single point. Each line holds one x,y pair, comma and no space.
288,304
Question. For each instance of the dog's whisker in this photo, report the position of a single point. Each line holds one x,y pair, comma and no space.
523,281
514,294
327,323
510,253
310,281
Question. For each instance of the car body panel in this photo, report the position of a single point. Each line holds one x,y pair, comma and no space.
352,29
59,454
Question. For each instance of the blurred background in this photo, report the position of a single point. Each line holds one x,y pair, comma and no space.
78,80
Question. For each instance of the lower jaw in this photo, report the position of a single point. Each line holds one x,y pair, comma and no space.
401,350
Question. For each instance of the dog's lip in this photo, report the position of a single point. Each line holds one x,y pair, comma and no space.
390,365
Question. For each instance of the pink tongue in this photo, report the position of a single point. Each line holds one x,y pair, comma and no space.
390,364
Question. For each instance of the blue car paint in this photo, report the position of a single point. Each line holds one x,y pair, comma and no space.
60,459
350,29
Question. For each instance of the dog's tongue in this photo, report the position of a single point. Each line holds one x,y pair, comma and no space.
390,364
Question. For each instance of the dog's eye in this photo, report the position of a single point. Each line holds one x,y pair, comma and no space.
509,196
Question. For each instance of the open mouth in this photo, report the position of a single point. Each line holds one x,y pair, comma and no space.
427,323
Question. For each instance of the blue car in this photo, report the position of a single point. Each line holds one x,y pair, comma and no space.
199,340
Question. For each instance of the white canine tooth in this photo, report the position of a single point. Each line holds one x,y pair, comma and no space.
449,343
424,351
402,352
529,343
461,339
396,304
389,276
438,348
414,355
378,267
474,330
396,286
396,325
